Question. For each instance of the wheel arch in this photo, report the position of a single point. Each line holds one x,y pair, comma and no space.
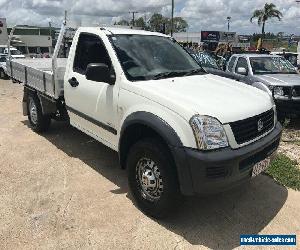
141,124
48,105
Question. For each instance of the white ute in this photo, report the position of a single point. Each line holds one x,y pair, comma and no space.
178,130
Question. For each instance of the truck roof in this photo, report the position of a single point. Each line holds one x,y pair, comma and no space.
119,31
254,55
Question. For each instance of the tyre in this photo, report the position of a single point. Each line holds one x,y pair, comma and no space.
281,118
152,178
2,74
38,121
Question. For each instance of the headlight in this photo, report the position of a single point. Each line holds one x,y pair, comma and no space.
278,91
209,132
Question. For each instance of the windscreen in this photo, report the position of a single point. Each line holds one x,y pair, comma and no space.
15,52
145,57
271,65
206,60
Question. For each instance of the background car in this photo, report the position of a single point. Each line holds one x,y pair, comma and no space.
273,74
3,69
209,63
292,57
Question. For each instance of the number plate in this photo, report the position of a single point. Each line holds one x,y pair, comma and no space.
260,167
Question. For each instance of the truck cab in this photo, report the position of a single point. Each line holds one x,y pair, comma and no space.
177,130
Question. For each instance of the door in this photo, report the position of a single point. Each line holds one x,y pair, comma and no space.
91,105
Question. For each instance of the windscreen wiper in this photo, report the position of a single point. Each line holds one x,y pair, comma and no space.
169,74
195,72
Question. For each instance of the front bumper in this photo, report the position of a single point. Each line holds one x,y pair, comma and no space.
212,172
288,107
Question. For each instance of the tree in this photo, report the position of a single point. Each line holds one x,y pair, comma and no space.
122,22
269,11
156,22
140,22
180,25
159,23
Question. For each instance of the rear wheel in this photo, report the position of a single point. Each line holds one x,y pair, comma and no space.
2,74
38,121
152,178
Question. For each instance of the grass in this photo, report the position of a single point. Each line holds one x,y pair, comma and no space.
297,143
285,171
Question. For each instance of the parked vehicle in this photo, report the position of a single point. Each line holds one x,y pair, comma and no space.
290,56
273,74
177,130
210,64
3,69
14,53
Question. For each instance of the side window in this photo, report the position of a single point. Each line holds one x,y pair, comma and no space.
231,63
241,63
90,49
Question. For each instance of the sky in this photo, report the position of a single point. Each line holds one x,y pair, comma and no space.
200,14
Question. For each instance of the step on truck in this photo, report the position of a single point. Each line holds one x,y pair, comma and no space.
177,130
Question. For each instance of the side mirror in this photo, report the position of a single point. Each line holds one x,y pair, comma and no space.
99,72
242,71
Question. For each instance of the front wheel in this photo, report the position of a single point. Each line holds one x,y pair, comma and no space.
38,121
152,178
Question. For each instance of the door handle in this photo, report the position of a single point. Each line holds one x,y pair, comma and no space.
73,82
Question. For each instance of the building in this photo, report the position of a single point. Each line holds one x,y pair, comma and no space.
188,37
31,40
212,38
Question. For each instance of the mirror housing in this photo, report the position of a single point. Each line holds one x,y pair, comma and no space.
242,71
99,72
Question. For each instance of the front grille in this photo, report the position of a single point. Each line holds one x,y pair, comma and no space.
248,129
286,91
296,92
253,159
216,172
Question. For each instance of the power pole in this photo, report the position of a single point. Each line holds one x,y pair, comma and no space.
172,18
145,18
133,13
50,29
228,22
64,40
50,33
65,19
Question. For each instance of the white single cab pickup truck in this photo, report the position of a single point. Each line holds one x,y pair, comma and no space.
178,130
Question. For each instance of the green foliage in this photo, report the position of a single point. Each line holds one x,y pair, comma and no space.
122,22
180,25
285,171
269,11
158,23
140,22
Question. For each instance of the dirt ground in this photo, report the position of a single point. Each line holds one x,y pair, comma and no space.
290,144
64,190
